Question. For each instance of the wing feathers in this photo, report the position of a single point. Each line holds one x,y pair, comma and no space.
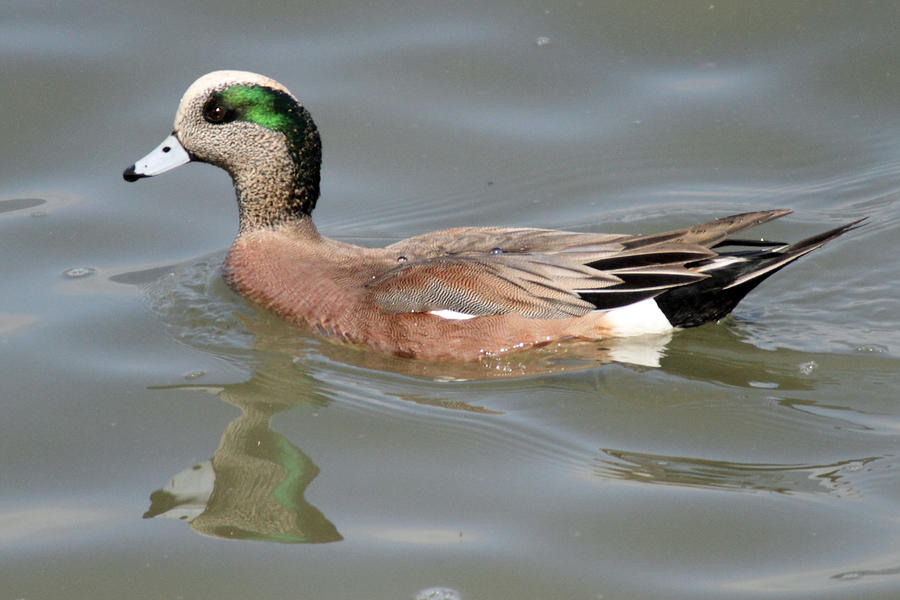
544,274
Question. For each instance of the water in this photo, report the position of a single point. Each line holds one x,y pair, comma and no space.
758,458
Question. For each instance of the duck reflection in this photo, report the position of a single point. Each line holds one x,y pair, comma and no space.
831,479
253,486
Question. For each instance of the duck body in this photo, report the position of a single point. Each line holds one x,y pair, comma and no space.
456,294
336,291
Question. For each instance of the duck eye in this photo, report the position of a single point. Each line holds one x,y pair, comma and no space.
214,113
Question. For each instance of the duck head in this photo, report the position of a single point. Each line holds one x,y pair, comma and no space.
254,128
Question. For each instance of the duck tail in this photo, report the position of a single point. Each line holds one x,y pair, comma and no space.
733,273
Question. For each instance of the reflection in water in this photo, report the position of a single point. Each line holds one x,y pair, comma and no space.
812,581
639,352
721,353
18,204
853,575
724,475
36,207
252,488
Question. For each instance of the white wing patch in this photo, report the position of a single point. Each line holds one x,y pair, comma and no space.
451,315
639,318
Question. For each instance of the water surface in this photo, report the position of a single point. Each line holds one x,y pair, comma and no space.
163,439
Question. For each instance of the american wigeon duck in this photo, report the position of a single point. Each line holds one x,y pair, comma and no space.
454,294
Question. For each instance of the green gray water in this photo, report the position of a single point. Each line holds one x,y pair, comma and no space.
759,459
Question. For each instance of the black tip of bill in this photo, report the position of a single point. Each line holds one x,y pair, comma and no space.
130,175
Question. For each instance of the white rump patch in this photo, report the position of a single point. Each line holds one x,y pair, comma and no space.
639,318
451,315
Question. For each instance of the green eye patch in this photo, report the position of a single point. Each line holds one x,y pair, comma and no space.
273,109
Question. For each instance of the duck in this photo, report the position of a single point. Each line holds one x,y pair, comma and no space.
458,294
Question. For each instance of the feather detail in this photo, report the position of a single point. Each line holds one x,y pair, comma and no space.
548,274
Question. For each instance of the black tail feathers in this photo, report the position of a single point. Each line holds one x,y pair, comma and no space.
741,270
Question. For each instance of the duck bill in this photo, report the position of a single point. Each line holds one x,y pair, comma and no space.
165,157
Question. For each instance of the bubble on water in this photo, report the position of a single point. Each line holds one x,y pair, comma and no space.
79,272
438,593
542,40
871,348
194,374
854,467
808,367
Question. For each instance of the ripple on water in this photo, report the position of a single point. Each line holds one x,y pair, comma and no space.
197,307
438,593
833,479
79,272
17,204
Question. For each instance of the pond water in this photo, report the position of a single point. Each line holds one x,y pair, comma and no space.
163,439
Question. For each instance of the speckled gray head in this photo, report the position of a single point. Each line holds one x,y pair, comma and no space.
254,128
